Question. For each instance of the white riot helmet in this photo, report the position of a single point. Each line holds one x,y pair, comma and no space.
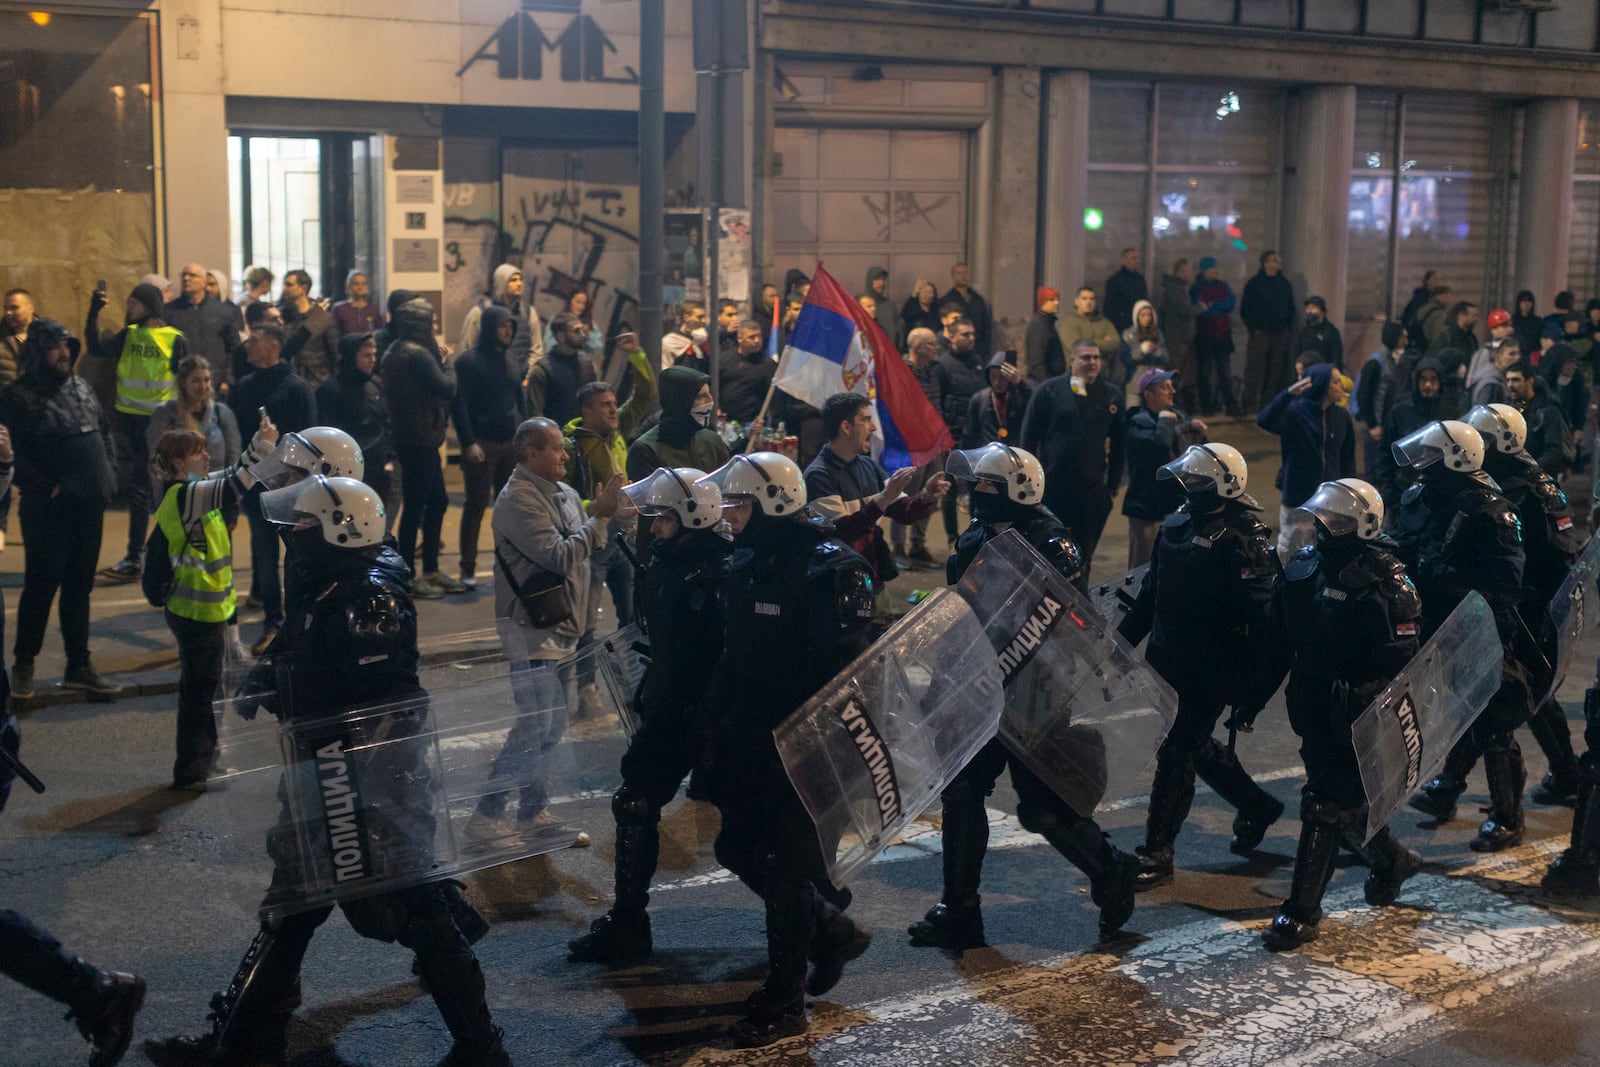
1347,506
1018,472
1209,468
324,450
772,479
696,502
349,513
1454,443
1502,426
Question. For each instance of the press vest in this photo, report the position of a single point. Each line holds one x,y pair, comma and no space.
202,587
144,370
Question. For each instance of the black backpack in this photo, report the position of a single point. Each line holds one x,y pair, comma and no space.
157,577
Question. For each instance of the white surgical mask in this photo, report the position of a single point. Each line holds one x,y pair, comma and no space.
701,413
1564,380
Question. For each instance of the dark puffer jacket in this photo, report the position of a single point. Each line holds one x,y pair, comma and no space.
418,386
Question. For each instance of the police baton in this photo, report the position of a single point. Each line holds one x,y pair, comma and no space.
10,760
638,569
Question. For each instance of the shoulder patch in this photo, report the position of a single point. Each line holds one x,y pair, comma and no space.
1405,629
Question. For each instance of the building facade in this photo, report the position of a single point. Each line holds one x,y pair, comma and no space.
1367,140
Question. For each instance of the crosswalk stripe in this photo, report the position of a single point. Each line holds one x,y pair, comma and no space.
1207,994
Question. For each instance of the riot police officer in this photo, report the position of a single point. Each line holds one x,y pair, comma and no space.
102,1003
1577,869
679,598
798,608
1551,543
1204,605
351,642
1457,533
1008,493
1343,623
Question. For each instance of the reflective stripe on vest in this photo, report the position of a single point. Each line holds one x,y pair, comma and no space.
144,371
202,587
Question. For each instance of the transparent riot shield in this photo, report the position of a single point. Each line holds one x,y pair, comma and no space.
1572,609
1083,710
875,746
1113,599
1403,737
355,801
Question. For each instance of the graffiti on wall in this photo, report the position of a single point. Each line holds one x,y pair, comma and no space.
567,236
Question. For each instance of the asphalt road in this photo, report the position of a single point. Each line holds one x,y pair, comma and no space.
1473,967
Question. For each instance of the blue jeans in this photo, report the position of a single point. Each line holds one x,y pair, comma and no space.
540,689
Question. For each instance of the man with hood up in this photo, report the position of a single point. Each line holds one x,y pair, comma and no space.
508,290
887,314
1411,410
1316,442
420,387
684,436
352,401
147,352
488,410
63,466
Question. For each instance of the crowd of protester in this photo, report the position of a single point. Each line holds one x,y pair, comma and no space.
1104,395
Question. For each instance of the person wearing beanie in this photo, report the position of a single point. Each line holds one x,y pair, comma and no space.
1319,335
147,352
1267,308
63,464
1043,355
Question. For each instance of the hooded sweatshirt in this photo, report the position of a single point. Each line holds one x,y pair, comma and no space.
1316,442
1409,412
528,343
1133,339
489,398
677,440
418,386
60,438
353,402
1486,383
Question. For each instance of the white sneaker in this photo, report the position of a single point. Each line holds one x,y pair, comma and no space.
468,580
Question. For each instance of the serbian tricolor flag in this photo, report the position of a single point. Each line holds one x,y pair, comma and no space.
836,347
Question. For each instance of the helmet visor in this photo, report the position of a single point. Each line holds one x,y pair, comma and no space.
1419,449
1196,471
988,463
281,507
1334,507
291,461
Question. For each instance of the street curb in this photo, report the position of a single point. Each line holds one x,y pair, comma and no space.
164,683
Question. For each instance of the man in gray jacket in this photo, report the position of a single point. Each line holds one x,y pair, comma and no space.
539,526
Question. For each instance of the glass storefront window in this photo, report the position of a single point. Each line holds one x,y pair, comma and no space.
1221,215
77,157
1119,124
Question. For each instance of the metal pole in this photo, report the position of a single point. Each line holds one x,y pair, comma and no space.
652,162
713,301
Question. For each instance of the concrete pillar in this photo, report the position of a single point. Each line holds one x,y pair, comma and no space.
1316,222
194,123
1065,181
1007,217
1549,154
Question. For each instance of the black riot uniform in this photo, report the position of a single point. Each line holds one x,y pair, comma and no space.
1457,534
798,609
352,641
956,921
1577,869
679,597
1551,544
1344,621
102,1003
1204,606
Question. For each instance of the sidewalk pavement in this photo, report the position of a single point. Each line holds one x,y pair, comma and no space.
132,646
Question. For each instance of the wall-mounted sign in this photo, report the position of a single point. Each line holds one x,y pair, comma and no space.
415,255
413,188
416,220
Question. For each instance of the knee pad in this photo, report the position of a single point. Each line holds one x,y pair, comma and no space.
632,808
1036,819
1320,811
380,918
